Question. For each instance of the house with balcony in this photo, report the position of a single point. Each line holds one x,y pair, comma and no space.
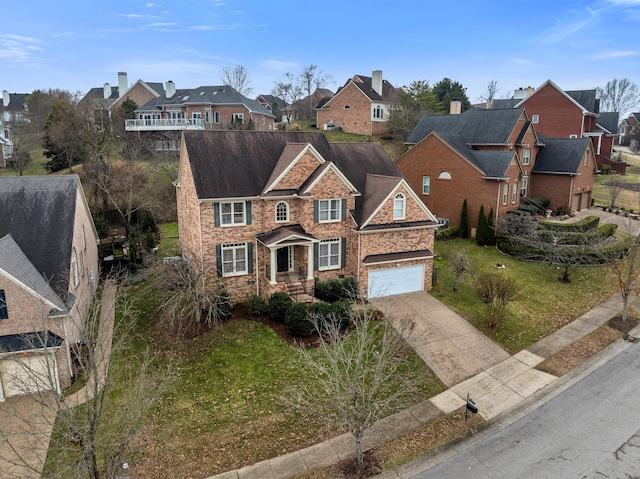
13,109
266,212
361,106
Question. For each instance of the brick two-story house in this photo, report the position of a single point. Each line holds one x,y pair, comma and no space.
13,108
48,275
266,212
489,158
361,106
629,130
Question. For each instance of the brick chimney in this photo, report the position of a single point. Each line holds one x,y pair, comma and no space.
455,107
376,81
170,89
122,83
5,98
106,91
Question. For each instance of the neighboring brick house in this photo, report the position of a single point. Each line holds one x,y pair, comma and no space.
48,275
629,129
487,157
275,105
111,97
361,106
573,114
13,107
267,212
564,173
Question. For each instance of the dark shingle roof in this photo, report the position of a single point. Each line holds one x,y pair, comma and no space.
585,98
493,164
206,95
608,121
504,103
477,126
38,212
220,160
16,102
561,155
364,83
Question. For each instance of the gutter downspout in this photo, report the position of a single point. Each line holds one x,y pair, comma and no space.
497,202
571,195
359,260
257,253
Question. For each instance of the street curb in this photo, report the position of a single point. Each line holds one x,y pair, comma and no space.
443,453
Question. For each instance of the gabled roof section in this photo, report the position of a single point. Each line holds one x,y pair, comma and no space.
39,212
564,93
291,155
15,265
491,164
17,102
476,126
608,121
364,83
286,234
561,155
586,98
317,176
206,95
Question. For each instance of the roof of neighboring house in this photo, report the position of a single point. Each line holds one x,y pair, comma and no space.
206,95
477,126
228,151
38,212
608,121
364,83
498,104
586,98
273,100
15,263
97,93
17,102
561,155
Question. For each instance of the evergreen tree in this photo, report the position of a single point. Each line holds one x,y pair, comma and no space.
481,228
463,229
491,229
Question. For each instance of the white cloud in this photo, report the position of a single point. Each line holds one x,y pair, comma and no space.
611,54
18,48
571,23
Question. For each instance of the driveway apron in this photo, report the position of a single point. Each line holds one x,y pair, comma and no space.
446,342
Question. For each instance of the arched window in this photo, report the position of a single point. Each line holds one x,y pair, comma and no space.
74,267
378,112
444,175
282,212
399,206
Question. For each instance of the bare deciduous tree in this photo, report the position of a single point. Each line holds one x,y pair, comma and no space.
625,271
237,78
490,93
619,95
93,428
461,265
290,91
311,79
357,379
615,187
496,292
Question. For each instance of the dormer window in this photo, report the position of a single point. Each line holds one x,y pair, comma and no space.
399,207
282,212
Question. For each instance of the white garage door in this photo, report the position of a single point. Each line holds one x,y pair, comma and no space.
385,282
27,375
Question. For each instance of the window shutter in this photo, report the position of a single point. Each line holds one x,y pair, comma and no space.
343,252
250,258
247,206
316,254
344,210
315,211
219,260
216,213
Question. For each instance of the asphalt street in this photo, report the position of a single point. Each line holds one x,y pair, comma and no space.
591,430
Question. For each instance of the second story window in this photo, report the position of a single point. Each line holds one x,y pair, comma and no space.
399,207
378,112
535,119
232,213
426,185
526,156
4,314
282,212
329,210
74,267
216,117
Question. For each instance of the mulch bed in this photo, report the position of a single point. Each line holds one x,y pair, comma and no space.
370,467
623,326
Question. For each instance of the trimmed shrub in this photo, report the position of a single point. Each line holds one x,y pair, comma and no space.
256,305
491,232
447,233
350,289
605,169
532,210
481,229
279,304
342,312
541,203
336,290
463,229
587,224
518,213
297,321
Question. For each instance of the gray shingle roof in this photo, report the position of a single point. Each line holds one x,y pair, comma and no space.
499,104
16,102
15,263
586,98
561,155
206,95
220,161
493,164
608,121
38,212
364,84
477,126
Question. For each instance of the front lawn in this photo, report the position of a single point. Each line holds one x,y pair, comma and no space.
543,306
226,411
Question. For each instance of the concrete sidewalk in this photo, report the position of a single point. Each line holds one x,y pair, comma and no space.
505,386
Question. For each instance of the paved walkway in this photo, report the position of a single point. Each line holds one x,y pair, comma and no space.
507,383
446,342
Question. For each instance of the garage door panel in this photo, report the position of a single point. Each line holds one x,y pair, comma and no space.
26,376
406,279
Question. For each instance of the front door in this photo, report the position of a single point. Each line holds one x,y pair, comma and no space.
283,256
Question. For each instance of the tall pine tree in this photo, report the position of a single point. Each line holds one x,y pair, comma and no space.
481,228
491,229
463,229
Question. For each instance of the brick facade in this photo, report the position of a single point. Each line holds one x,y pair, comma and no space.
138,93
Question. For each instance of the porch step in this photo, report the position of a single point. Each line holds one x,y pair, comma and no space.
298,294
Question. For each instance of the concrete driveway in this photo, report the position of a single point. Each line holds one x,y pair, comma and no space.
446,342
25,435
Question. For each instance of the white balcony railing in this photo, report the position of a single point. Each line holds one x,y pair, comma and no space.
164,124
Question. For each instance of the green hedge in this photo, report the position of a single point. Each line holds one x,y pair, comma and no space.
587,224
279,304
336,290
601,233
448,233
532,210
297,321
585,257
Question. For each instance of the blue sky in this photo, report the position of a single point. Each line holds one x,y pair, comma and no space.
79,44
